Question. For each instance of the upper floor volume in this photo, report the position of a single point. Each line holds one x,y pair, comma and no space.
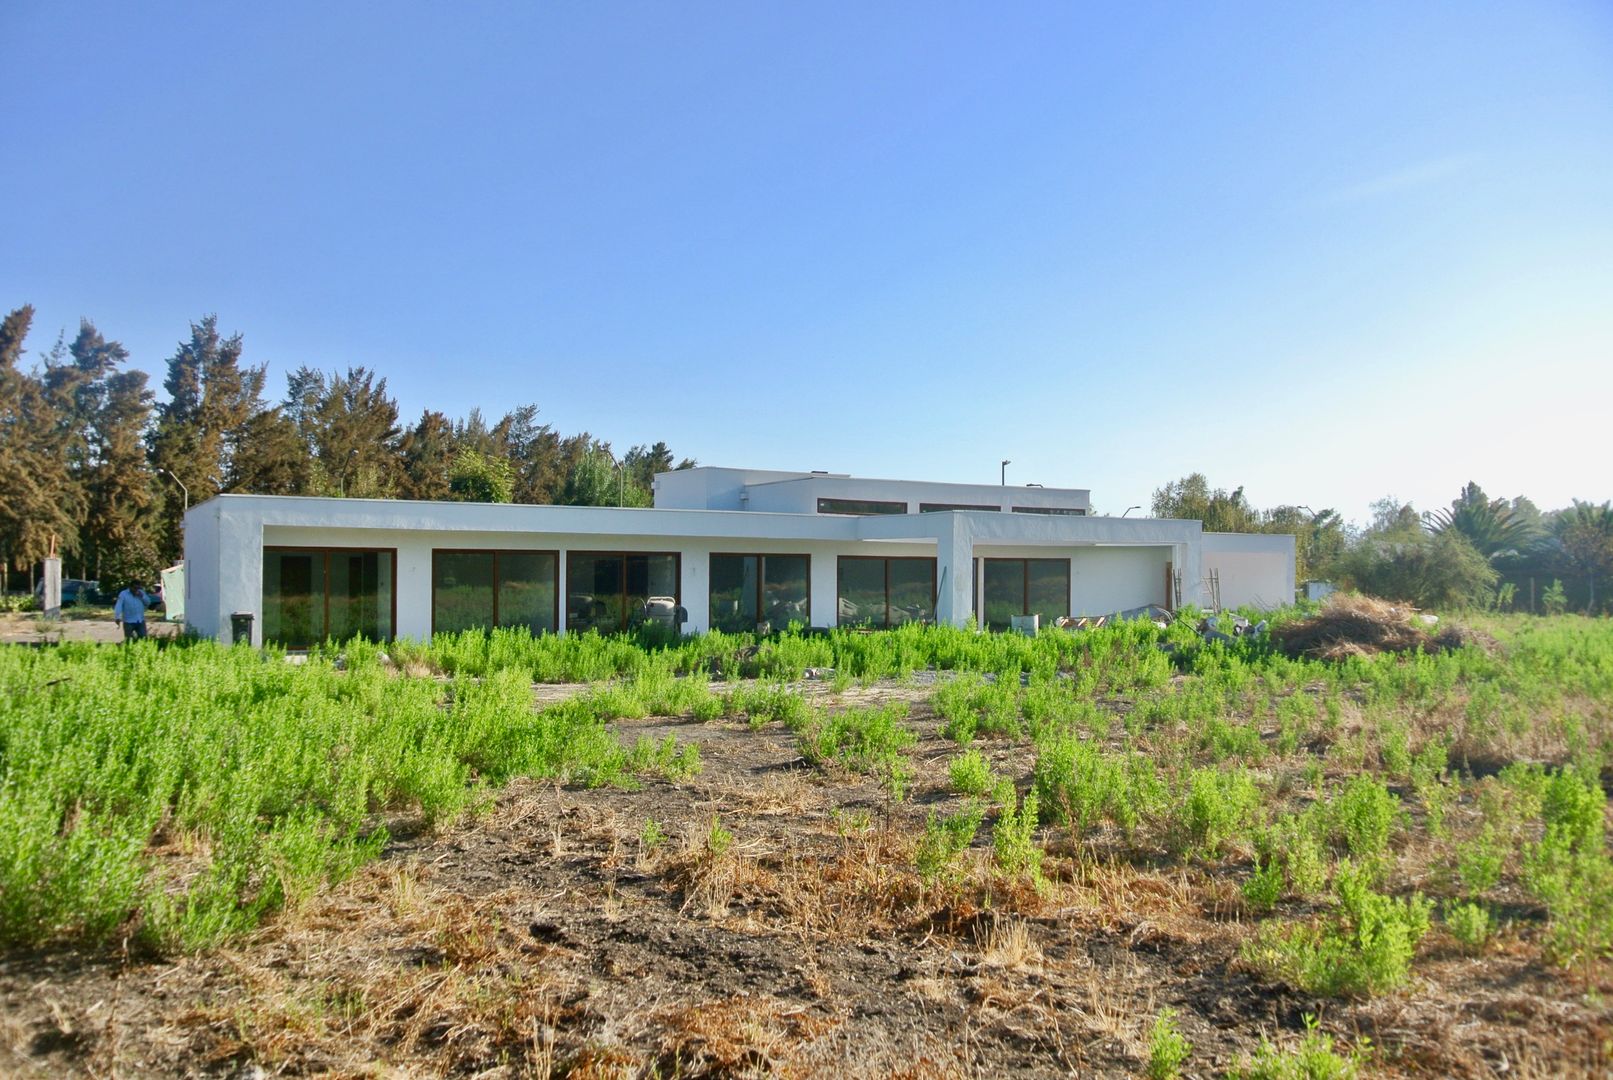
712,488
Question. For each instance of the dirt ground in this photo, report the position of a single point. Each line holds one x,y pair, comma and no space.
558,933
76,624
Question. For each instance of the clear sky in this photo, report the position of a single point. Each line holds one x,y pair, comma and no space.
1328,252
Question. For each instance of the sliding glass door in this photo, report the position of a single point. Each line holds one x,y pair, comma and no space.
1025,587
314,594
481,589
612,591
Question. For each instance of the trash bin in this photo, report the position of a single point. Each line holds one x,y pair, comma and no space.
241,627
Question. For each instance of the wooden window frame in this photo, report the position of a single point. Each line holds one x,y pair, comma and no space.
886,559
677,577
761,576
392,618
496,552
1025,581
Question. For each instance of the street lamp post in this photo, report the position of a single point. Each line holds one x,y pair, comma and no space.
1129,509
182,487
1004,478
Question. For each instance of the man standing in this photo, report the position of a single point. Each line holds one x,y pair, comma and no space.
130,612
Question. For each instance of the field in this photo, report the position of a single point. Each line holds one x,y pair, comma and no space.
917,853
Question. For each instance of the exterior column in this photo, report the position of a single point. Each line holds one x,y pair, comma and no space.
413,587
954,573
1188,559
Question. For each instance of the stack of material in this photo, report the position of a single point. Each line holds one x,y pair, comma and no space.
1353,625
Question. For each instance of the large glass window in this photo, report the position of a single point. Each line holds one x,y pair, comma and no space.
1025,587
311,594
750,589
885,592
861,507
493,588
936,508
611,591
1066,511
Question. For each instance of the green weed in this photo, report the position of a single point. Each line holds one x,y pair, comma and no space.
1168,1048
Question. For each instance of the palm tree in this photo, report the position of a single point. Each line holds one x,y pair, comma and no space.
1585,531
1490,525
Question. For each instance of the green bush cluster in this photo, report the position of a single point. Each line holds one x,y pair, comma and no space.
945,838
872,741
187,791
1365,947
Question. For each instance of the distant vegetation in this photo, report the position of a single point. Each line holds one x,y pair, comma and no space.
92,459
1498,554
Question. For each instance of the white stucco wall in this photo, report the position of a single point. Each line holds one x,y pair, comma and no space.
710,488
1104,580
1256,570
1116,563
800,495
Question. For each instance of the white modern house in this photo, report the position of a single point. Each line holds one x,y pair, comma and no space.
722,548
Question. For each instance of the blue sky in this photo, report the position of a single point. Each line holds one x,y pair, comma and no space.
1328,252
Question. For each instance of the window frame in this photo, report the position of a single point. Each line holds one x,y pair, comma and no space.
840,562
496,552
327,550
1053,511
761,577
863,502
1025,582
941,508
623,555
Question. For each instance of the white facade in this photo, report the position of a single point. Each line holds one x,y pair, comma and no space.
1114,564
710,488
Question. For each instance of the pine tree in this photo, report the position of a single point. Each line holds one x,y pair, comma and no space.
348,427
427,453
204,423
120,526
269,458
39,506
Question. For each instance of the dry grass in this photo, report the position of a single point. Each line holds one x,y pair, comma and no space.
1355,625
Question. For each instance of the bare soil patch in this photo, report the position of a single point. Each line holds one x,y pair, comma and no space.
89,624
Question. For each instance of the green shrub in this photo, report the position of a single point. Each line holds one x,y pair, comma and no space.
1218,807
1079,785
944,839
1479,861
1366,947
972,706
1362,817
862,740
1168,1048
1575,882
1265,886
1293,843
970,774
1313,1059
1013,840
1469,923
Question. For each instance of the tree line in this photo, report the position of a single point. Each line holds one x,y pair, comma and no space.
96,468
1499,553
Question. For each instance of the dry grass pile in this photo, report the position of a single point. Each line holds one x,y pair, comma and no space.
1353,625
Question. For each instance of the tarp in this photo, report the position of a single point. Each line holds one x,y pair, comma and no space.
173,593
